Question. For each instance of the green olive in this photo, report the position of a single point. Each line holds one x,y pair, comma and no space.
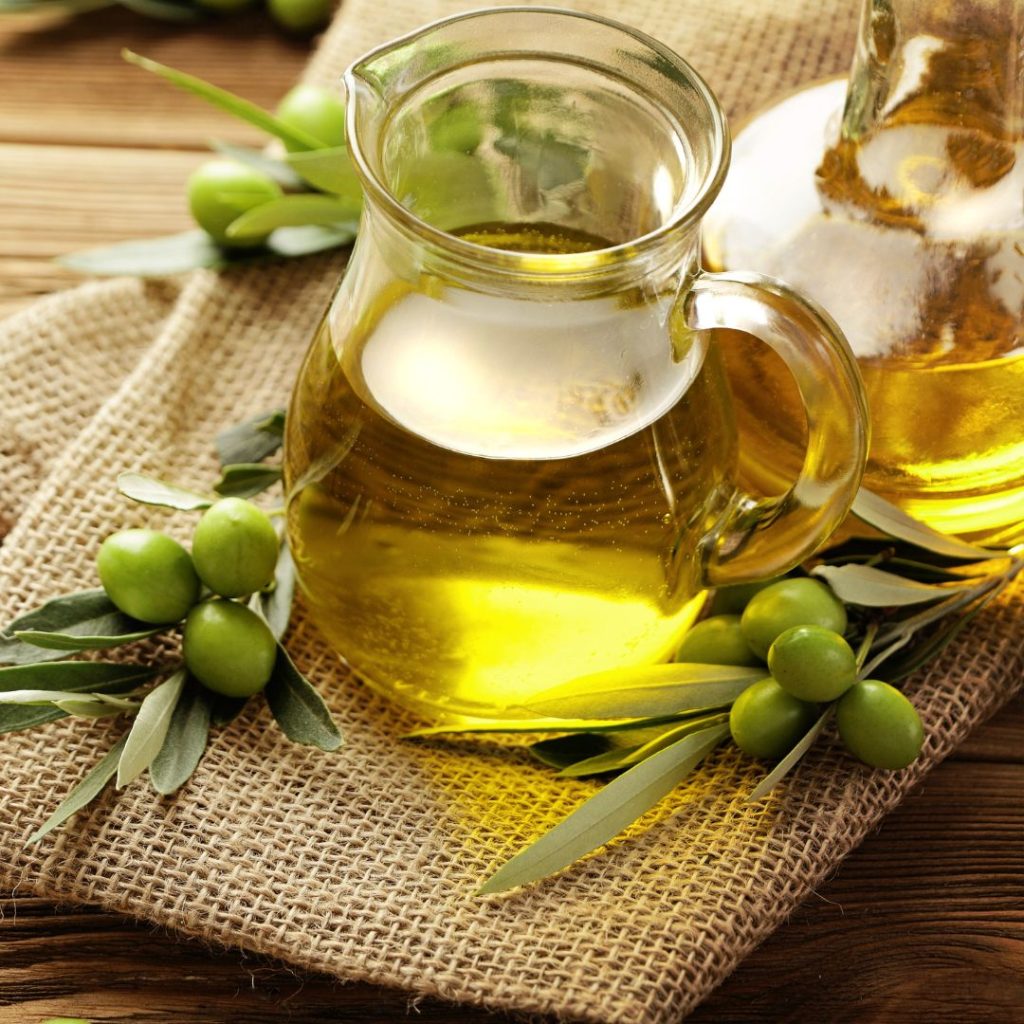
794,602
229,648
235,548
315,111
767,722
220,191
301,16
717,641
810,662
148,575
879,725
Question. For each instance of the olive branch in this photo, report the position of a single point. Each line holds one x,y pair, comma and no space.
172,713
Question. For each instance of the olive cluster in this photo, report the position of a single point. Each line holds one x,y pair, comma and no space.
148,575
220,191
796,626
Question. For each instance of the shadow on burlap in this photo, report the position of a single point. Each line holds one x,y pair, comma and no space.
362,863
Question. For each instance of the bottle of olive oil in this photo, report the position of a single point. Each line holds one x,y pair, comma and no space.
512,484
909,230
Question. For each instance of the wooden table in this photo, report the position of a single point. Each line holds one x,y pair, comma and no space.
925,922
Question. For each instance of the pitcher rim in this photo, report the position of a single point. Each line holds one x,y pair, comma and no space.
608,257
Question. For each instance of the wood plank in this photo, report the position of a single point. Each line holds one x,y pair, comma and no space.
58,199
922,923
64,81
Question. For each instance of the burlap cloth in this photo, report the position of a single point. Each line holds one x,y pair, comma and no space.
363,863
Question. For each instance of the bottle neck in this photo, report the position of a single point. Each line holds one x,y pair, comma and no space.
922,61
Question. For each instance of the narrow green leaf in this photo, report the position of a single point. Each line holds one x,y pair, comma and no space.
893,521
253,440
329,170
84,620
76,676
789,762
149,729
150,257
73,642
293,211
647,691
562,751
185,743
88,709
226,101
276,605
298,708
40,696
869,587
914,657
307,240
166,10
608,812
150,491
246,479
84,793
616,760
278,170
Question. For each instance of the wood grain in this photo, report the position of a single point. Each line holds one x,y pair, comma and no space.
925,922
922,923
64,82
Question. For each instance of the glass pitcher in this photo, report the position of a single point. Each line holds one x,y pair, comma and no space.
894,199
510,453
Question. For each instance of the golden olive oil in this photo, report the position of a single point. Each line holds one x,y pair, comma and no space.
491,497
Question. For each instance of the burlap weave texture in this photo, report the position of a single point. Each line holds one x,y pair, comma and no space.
363,863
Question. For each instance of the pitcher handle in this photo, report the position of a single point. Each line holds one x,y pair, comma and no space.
760,538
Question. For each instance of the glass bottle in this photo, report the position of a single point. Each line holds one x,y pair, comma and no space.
896,200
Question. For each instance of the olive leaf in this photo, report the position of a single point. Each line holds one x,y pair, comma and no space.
246,479
626,757
329,170
43,697
275,169
86,620
275,605
562,751
608,812
869,587
149,730
298,708
150,257
253,440
893,521
786,765
185,742
64,642
308,239
150,491
913,657
295,211
88,709
72,676
646,691
226,101
84,793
